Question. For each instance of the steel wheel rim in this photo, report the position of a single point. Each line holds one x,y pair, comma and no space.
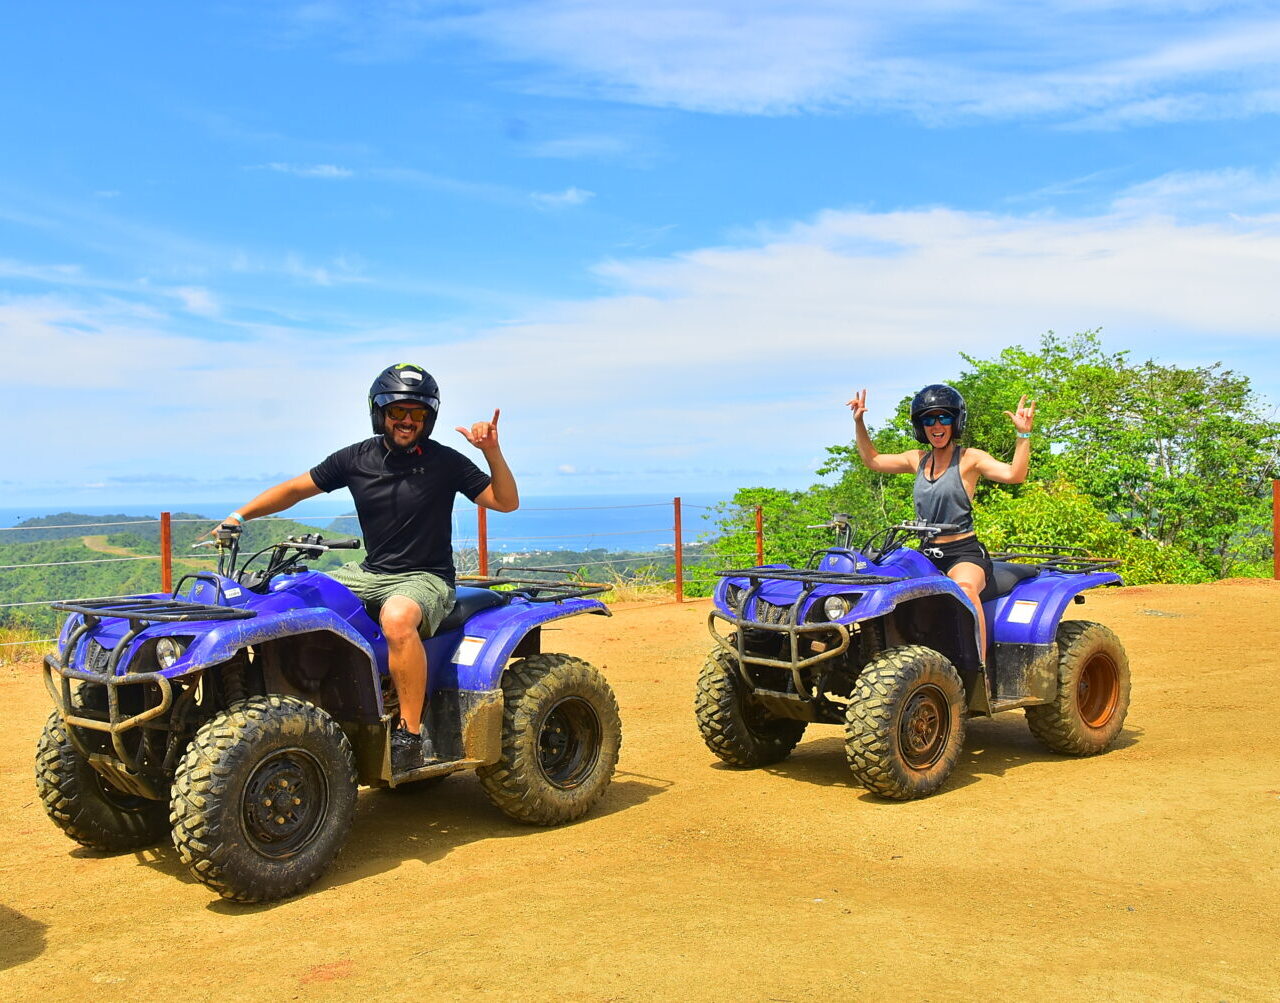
1098,690
569,742
285,803
924,727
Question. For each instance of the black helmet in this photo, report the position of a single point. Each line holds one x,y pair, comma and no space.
404,382
938,397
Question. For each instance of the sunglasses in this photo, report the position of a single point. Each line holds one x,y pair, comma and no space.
397,413
936,419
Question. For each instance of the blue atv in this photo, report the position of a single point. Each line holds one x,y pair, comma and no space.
239,714
878,640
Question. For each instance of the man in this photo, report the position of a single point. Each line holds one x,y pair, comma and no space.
403,483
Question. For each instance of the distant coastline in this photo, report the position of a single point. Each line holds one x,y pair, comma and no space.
633,522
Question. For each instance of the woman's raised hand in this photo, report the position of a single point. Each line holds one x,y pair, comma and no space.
1024,416
858,405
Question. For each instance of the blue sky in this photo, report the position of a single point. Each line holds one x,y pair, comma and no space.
667,239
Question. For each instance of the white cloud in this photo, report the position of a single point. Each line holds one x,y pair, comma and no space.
602,147
560,200
727,358
197,300
1103,63
328,171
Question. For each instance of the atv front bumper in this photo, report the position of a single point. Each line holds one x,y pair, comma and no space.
825,641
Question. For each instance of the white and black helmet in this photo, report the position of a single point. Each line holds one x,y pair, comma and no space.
938,397
404,382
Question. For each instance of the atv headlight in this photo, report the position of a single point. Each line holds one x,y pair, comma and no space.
169,650
733,597
835,607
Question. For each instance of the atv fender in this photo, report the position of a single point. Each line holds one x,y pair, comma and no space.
932,611
1031,611
490,638
1024,627
311,652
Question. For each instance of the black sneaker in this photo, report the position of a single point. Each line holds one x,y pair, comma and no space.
406,751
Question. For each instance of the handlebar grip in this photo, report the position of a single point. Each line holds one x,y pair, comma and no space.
344,545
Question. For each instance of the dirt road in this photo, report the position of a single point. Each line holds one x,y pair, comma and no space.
1152,872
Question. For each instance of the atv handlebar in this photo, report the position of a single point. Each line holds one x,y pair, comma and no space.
307,545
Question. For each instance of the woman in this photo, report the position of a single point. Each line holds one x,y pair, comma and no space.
946,476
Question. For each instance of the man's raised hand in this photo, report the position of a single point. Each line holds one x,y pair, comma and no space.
483,434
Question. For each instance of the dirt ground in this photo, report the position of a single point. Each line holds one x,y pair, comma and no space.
1151,872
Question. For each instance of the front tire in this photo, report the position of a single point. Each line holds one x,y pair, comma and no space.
560,739
739,731
1093,692
905,726
263,799
84,805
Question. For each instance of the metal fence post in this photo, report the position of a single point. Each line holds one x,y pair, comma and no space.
166,553
759,535
1275,529
675,504
482,539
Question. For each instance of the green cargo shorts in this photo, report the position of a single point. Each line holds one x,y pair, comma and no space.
432,593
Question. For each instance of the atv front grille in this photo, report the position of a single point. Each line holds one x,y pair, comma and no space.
767,612
96,658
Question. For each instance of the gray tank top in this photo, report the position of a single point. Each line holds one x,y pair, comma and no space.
943,499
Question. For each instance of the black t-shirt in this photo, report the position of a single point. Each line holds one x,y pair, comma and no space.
404,501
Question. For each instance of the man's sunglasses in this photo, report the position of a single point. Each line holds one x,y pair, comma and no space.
936,419
397,413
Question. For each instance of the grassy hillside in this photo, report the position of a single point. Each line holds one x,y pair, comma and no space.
124,560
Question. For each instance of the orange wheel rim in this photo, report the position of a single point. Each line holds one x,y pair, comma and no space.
1098,690
924,727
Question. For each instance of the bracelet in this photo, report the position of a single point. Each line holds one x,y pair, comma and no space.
1024,435
237,517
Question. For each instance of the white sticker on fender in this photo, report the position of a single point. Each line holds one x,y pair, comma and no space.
468,651
232,593
1021,611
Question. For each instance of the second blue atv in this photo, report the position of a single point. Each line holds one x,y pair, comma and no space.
879,641
238,715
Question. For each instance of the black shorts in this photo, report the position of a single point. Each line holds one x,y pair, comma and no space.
945,556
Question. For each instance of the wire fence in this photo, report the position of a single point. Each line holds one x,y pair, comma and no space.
473,554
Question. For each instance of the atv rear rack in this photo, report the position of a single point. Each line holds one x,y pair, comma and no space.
1065,560
536,590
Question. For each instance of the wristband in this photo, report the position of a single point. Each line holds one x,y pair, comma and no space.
1024,435
237,517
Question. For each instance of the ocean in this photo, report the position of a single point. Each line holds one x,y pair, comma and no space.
635,522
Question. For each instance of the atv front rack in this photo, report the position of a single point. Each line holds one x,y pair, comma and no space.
1065,560
812,577
152,610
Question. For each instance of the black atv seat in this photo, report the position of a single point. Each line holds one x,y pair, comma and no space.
1007,574
467,603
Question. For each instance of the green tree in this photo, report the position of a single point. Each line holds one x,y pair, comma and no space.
1179,457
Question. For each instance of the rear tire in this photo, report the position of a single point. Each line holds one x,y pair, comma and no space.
739,731
905,727
560,740
1093,692
263,799
84,805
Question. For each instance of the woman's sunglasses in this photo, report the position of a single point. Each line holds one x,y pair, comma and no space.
397,413
936,419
